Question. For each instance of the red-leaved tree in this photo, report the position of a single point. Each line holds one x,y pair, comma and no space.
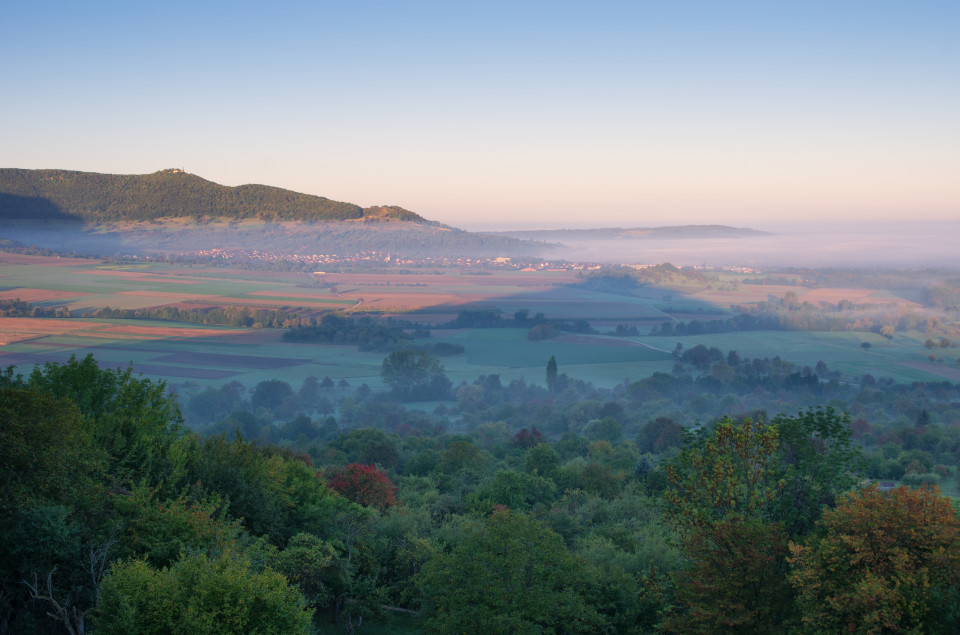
363,484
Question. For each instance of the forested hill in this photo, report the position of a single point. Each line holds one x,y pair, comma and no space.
679,231
171,210
108,198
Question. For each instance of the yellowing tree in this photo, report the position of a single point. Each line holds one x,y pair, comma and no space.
882,562
723,486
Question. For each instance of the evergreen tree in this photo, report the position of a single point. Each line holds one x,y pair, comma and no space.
552,374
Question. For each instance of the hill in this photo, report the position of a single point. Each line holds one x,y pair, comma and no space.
105,198
172,210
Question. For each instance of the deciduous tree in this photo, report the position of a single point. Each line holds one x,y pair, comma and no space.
509,574
882,562
722,489
363,484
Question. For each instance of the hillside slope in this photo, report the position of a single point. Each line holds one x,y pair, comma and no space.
107,198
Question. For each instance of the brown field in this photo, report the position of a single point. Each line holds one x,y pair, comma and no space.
857,296
38,295
152,332
164,294
745,293
21,329
256,303
43,326
317,295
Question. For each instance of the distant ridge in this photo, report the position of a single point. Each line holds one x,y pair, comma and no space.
636,233
109,198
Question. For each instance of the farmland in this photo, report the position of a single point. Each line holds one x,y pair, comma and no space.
192,354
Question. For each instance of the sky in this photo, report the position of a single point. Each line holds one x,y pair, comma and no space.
490,115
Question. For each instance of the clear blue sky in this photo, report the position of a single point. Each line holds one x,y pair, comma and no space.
506,113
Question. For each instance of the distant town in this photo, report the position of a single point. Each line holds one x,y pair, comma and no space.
241,256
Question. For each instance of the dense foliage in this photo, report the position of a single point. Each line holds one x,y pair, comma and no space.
573,510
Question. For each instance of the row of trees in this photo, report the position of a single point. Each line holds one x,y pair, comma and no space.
232,315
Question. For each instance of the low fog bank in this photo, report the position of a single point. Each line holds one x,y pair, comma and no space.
65,238
893,245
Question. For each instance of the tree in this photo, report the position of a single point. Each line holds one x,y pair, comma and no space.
508,574
47,453
816,463
552,374
882,562
133,419
271,394
315,567
606,429
542,460
516,490
722,489
363,484
309,392
199,594
527,438
414,375
659,434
